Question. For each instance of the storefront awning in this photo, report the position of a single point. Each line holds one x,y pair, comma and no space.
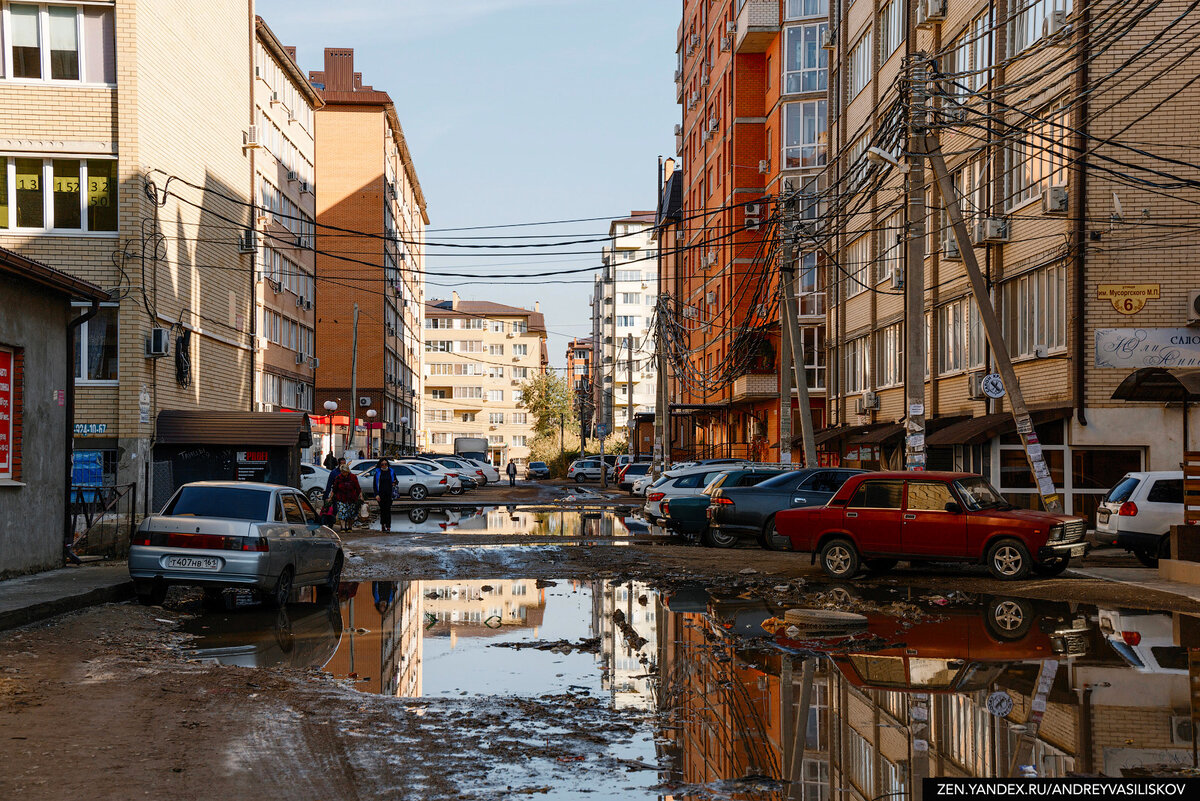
1159,385
975,430
194,427
878,434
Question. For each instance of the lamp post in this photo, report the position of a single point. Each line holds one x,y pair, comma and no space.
370,435
330,408
403,434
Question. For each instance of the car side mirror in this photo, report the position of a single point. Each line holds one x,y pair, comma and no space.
953,508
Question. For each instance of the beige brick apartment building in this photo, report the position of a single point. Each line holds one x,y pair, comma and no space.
106,110
477,355
1086,242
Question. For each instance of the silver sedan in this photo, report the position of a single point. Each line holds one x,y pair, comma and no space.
219,534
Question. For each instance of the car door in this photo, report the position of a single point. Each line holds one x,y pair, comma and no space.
405,478
816,489
297,533
872,515
319,547
929,528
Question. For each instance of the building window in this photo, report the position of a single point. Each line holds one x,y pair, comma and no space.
440,439
860,64
495,439
798,9
520,373
520,350
519,440
96,347
468,392
439,346
1035,311
631,298
857,266
1036,157
520,327
891,248
437,415
857,366
628,321
496,418
970,59
628,275
891,28
810,286
804,134
45,43
438,394
518,395
960,336
806,64
813,338
890,356
1025,18
82,194
495,350
438,322
519,418
495,372
10,412
467,417
495,395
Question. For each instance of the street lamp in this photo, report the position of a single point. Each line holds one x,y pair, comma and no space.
331,407
370,436
403,433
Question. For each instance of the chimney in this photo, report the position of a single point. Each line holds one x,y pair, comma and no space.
454,299
668,168
339,69
537,305
291,51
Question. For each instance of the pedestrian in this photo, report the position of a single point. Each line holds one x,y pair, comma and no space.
512,473
346,495
385,486
361,455
331,462
333,474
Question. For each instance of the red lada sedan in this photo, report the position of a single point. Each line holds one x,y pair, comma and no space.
878,519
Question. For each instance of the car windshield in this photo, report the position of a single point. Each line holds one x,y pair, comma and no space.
977,493
234,503
1123,490
637,468
783,480
424,468
537,464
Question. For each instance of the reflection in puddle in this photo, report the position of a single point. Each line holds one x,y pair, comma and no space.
732,697
513,521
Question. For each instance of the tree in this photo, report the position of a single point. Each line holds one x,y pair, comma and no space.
549,399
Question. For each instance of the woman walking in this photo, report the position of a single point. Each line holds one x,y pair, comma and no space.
385,483
346,496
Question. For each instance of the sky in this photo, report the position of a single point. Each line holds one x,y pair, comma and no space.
515,111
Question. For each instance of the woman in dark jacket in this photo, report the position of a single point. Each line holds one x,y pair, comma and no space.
346,496
385,484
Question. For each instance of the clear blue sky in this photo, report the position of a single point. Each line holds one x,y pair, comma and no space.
515,111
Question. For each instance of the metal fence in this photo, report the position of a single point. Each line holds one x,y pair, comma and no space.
102,520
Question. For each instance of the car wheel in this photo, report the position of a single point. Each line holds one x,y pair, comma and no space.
283,589
1052,568
418,514
1151,560
335,574
316,497
839,558
772,540
154,596
1008,560
418,492
1009,618
881,565
579,479
456,490
715,538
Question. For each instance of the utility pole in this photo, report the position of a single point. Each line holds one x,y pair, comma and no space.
562,435
353,427
791,309
785,370
914,275
658,459
629,428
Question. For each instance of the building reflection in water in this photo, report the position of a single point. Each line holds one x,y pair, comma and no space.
628,653
381,636
481,608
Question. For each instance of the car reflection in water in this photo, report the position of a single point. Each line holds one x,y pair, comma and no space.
301,635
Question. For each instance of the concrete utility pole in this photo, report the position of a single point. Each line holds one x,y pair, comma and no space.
915,357
660,389
629,428
785,372
352,428
787,276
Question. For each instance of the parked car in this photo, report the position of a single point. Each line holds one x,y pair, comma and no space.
537,470
470,476
454,482
486,472
739,510
219,534
877,519
675,484
631,472
312,482
582,470
642,485
1145,640
687,515
412,480
1137,514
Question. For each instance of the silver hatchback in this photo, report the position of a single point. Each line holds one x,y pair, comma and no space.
219,534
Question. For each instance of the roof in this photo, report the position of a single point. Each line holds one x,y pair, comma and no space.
248,429
484,308
975,430
284,56
670,205
637,216
878,434
1159,385
18,266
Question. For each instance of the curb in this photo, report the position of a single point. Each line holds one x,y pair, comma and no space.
36,612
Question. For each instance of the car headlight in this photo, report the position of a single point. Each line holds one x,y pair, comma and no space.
1056,531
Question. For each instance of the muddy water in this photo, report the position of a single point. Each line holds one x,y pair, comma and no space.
513,521
724,696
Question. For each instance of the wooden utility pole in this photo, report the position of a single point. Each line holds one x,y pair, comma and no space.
352,428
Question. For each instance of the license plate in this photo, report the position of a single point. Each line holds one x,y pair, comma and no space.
193,562
1078,550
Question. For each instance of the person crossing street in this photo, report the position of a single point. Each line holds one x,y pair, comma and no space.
511,470
385,485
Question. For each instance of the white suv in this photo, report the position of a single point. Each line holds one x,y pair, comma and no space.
583,469
677,483
1137,514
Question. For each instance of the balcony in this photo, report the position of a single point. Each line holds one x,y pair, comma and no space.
757,26
755,386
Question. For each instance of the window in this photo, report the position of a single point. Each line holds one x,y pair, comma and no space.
519,418
496,418
10,411
495,439
810,286
439,346
438,322
520,350
806,63
857,365
495,350
496,395
857,266
856,162
629,275
440,439
928,496
495,372
860,64
520,327
891,28
877,495
970,58
890,356
469,346
797,9
960,336
891,248
518,395
519,440
804,134
628,321
45,43
631,298
1025,18
813,338
1035,311
1036,159
520,373
96,347
471,324
467,417
437,415
861,762
67,206
438,394
468,392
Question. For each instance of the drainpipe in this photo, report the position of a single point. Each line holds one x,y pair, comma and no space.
1077,208
69,402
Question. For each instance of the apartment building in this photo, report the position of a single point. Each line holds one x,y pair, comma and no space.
752,80
124,161
477,356
579,379
623,308
284,188
1088,260
370,253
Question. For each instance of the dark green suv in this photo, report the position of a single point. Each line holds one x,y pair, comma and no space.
687,516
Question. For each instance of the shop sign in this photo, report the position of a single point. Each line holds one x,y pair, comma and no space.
6,410
993,386
1127,298
252,465
90,429
1147,347
1000,704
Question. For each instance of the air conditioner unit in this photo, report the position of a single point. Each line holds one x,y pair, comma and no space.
364,401
953,111
510,335
868,402
308,304
805,229
726,42
993,229
1040,351
950,247
1181,730
1054,200
714,122
1193,309
250,138
731,26
710,297
1055,24
314,362
303,187
694,42
274,98
300,357
828,39
678,76
300,242
258,72
300,301
704,79
276,286
158,344
263,343
897,277
679,236
975,386
246,241
293,176
678,129
764,166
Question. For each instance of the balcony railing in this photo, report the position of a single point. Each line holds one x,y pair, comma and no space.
755,386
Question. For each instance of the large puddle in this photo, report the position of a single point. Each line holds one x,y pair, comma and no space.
513,521
731,697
